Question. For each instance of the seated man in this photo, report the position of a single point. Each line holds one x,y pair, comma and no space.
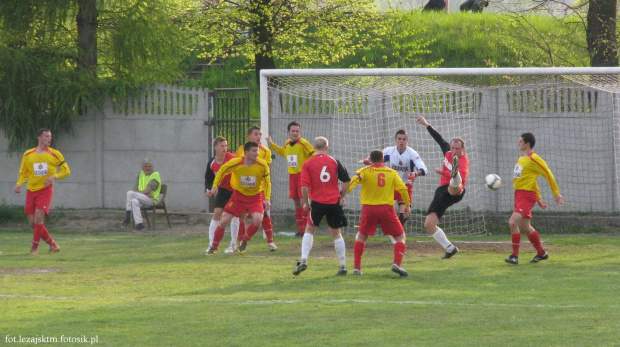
145,193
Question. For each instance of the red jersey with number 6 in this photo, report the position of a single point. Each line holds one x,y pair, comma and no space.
321,174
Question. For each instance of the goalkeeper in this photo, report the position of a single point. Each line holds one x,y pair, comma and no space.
453,171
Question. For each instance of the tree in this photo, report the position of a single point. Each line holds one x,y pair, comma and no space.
601,33
58,57
298,33
594,24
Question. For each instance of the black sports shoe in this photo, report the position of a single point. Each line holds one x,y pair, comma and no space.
538,258
399,270
211,251
512,259
125,223
299,235
449,255
242,247
300,268
342,271
140,227
455,166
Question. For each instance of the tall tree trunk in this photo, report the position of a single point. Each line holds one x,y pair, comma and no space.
262,36
86,21
601,33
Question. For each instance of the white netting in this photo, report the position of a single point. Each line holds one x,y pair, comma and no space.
573,118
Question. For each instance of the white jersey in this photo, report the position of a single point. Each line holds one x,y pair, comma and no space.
403,163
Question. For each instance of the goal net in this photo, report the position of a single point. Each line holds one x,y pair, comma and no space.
573,112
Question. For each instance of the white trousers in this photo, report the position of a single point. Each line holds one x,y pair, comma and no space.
134,201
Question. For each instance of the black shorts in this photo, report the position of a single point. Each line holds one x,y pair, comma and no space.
443,200
222,197
334,214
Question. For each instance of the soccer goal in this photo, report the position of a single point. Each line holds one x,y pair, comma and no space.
573,112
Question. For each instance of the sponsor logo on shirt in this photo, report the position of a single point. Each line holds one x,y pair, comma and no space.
248,181
40,169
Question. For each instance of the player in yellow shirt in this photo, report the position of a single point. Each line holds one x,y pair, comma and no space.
252,193
41,166
529,166
296,150
379,183
255,134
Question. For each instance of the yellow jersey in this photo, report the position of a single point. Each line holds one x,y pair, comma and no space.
36,168
264,153
296,153
378,185
247,180
527,170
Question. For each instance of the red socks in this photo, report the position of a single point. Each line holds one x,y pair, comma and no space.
241,234
358,250
268,228
36,234
399,252
516,243
252,229
301,218
535,240
219,235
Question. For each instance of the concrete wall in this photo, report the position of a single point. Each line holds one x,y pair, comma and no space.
104,152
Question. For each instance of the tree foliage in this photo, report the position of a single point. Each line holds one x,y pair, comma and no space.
592,25
41,82
293,33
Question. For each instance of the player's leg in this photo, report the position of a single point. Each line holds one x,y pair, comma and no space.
29,209
340,248
257,217
399,253
234,235
438,207
219,232
534,238
300,217
390,225
336,220
268,230
515,236
368,227
306,246
215,221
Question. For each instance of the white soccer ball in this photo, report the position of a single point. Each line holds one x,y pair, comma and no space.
492,182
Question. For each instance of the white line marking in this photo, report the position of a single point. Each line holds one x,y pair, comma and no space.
297,301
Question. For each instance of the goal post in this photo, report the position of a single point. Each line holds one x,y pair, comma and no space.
573,112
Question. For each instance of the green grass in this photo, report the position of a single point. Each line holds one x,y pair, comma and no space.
143,291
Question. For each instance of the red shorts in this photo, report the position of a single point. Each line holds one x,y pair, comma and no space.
383,215
294,186
399,198
524,201
39,200
240,203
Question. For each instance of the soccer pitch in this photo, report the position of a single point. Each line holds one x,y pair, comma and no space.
116,289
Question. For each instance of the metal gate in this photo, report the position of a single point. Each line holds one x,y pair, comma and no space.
231,115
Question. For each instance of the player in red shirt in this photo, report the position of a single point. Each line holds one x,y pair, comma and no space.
451,189
319,182
222,156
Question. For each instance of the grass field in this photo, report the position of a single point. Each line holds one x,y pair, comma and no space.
127,290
